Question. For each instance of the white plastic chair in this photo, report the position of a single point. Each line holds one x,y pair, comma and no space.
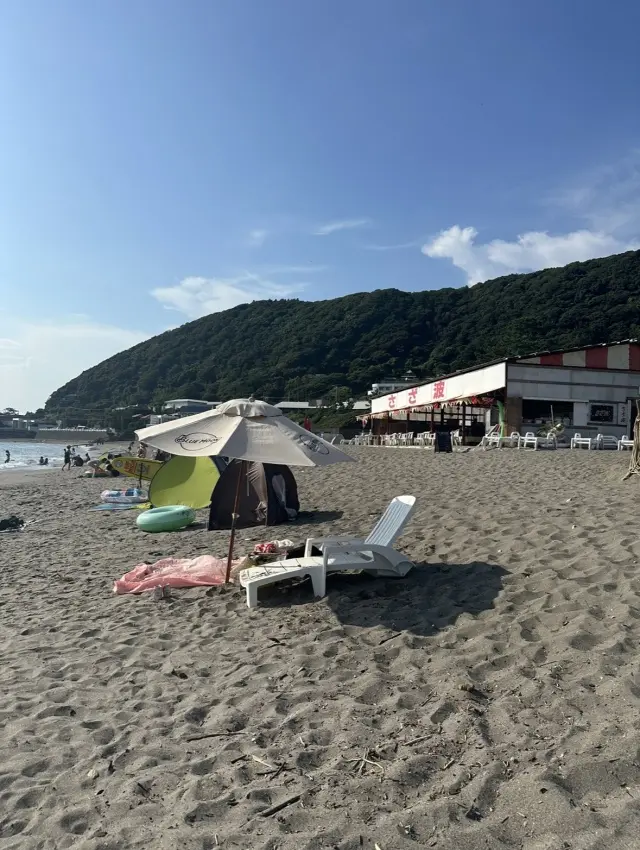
493,438
529,441
625,443
490,437
374,554
577,442
607,441
550,441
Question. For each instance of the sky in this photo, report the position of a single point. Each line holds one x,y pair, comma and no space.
160,161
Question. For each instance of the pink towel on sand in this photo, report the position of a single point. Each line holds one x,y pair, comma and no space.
174,572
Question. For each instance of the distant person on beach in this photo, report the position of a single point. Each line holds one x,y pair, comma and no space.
87,457
7,456
41,461
46,461
142,451
67,459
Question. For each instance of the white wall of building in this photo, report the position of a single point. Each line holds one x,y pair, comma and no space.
593,392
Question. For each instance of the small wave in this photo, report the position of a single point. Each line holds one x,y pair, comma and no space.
25,465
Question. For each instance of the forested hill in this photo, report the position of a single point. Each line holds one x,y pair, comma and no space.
304,349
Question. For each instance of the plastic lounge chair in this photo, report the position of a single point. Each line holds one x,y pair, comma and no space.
529,440
606,441
336,557
382,536
254,577
577,441
374,555
491,438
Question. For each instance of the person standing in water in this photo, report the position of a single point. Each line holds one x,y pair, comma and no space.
7,455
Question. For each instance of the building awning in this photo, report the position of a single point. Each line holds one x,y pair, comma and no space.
444,391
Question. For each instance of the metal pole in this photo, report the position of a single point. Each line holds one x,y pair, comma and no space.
234,517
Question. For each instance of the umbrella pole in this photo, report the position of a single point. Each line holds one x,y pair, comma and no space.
234,517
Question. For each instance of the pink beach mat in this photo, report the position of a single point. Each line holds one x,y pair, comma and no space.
205,570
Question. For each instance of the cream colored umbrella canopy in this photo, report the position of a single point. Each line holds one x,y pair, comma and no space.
244,429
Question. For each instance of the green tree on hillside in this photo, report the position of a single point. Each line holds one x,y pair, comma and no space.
304,349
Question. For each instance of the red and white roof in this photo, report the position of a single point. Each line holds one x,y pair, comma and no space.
621,355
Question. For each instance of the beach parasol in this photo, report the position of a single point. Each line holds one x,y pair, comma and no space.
247,430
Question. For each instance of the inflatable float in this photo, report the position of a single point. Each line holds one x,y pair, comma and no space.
133,496
167,518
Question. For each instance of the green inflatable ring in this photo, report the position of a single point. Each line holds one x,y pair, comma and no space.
169,518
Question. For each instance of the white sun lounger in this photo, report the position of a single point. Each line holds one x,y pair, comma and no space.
374,555
577,441
606,441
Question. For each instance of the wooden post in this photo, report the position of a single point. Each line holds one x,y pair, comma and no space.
634,463
463,430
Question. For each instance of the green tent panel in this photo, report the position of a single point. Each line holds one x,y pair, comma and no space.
185,481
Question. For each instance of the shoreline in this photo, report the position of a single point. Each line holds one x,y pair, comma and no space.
14,477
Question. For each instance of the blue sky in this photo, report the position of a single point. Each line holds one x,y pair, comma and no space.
161,160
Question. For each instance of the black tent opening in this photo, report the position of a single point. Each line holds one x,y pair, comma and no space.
267,495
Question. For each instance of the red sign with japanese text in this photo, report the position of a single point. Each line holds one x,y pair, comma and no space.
439,389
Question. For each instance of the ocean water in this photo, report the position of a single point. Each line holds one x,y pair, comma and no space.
25,454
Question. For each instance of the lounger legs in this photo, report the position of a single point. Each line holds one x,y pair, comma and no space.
318,581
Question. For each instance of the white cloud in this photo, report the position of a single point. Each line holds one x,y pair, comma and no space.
345,224
37,358
528,252
257,238
200,296
607,198
606,201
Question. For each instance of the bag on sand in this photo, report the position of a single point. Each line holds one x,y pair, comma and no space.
12,523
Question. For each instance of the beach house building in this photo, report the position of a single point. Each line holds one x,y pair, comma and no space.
590,389
187,406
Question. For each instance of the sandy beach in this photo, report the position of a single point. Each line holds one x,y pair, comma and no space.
489,700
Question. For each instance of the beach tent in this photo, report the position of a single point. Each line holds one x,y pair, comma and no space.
186,481
266,494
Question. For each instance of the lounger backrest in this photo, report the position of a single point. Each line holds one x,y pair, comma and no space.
392,522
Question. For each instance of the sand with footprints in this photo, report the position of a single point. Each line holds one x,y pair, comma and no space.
489,700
